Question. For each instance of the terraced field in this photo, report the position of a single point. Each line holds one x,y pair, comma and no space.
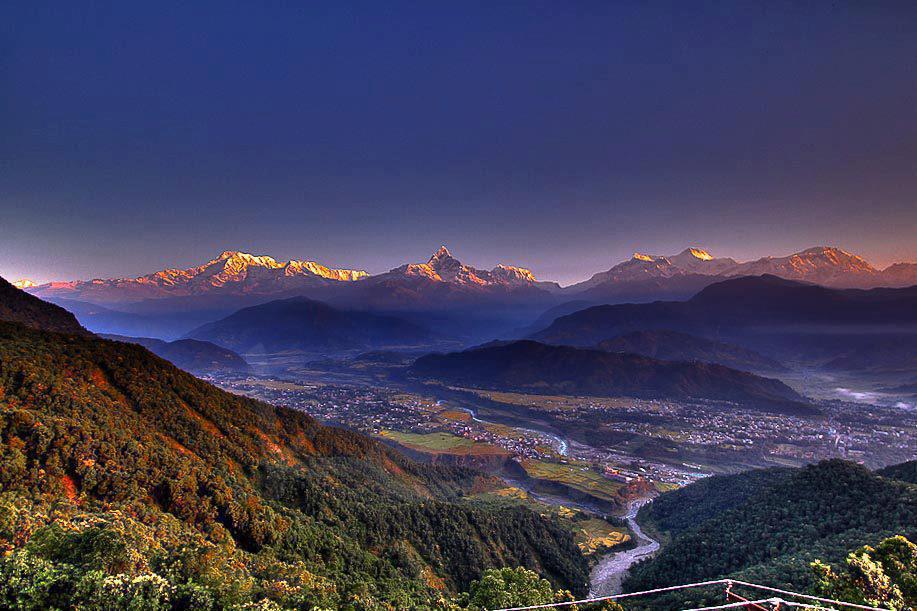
575,475
596,536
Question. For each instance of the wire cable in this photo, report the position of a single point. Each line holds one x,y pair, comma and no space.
701,584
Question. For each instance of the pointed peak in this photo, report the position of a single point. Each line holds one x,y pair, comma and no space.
230,254
441,254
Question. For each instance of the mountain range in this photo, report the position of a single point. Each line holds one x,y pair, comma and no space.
475,305
230,272
825,265
778,318
239,273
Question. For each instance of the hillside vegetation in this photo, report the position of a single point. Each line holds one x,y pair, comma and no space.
123,478
768,526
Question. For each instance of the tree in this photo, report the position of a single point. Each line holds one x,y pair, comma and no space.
519,587
509,587
885,576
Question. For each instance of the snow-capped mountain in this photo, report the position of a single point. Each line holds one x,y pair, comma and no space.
443,267
232,272
642,267
443,279
693,267
824,265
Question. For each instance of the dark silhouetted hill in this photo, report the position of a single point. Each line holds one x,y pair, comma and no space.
674,346
528,366
191,355
303,324
20,307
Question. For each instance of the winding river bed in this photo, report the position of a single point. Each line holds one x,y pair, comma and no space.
608,575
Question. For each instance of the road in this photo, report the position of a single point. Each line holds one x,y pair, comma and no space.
607,576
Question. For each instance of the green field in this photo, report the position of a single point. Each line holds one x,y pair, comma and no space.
435,442
576,475
442,443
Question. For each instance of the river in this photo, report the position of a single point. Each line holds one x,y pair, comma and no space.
608,575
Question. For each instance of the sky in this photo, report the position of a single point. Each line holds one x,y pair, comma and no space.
560,136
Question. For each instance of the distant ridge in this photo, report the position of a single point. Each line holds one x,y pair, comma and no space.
532,367
674,346
192,355
299,323
741,305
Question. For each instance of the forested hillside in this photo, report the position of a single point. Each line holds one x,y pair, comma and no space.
906,471
124,477
768,526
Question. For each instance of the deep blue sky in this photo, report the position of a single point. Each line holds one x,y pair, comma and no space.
557,135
